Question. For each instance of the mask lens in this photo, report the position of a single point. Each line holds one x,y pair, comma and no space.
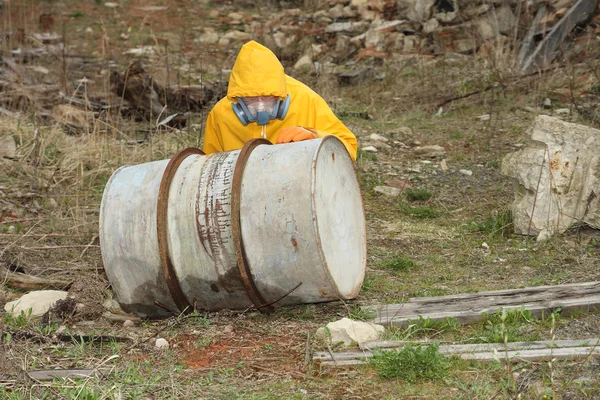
260,104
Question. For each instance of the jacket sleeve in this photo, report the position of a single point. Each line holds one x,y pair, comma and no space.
212,134
326,123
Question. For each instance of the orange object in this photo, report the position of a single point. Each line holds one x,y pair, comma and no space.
295,134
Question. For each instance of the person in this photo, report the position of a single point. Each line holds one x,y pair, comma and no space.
262,101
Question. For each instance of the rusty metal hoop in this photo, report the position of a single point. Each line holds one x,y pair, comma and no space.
182,302
259,302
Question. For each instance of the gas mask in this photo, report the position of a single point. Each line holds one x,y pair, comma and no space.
260,109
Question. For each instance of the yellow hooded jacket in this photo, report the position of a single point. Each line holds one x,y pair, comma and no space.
258,72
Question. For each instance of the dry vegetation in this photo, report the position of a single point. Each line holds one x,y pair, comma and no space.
425,242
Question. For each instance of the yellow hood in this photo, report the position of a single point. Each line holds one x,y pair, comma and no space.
256,72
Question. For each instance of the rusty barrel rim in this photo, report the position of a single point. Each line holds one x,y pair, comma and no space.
236,193
182,302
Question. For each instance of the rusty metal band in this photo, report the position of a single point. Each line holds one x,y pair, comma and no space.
179,298
236,227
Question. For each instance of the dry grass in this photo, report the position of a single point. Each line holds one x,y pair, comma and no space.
53,190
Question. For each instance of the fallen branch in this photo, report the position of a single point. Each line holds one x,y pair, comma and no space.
73,246
27,282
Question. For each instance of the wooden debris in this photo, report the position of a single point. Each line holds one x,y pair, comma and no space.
152,100
468,308
546,50
528,40
27,282
51,374
511,351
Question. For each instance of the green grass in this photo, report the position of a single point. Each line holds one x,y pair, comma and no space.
499,223
422,212
399,264
365,156
423,326
418,194
517,325
411,363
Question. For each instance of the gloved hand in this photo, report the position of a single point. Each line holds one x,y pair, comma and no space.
295,134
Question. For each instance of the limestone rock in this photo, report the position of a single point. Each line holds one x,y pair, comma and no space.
347,27
358,3
305,62
38,301
558,173
128,323
388,190
8,147
416,10
431,25
378,138
209,37
369,149
504,19
161,344
429,151
237,35
336,12
348,331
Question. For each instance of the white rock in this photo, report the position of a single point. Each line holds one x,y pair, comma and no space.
388,190
113,306
485,245
418,10
336,12
562,112
305,62
209,37
348,331
378,138
235,16
431,25
466,172
374,38
38,301
140,51
558,173
484,117
110,4
429,151
8,147
161,344
369,149
350,27
237,35
402,130
389,26
128,323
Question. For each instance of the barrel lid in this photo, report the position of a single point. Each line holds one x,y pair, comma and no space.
339,217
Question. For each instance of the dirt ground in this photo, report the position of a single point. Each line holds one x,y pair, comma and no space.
50,195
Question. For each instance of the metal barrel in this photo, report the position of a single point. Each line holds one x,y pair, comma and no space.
260,227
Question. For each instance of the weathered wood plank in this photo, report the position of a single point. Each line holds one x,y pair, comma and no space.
546,50
461,348
51,374
515,351
466,317
478,347
513,356
528,40
468,307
